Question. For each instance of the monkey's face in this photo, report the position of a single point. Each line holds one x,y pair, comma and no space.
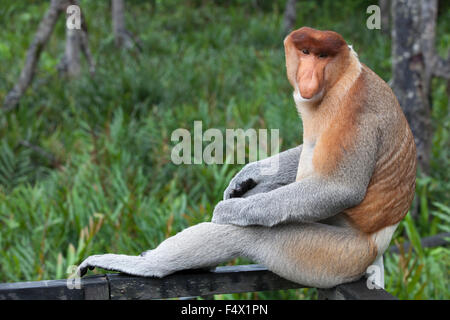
313,58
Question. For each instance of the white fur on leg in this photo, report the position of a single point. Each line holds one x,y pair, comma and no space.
200,246
134,265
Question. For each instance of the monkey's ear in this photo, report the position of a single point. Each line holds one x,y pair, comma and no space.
292,61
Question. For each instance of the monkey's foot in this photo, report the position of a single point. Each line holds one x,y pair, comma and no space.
134,265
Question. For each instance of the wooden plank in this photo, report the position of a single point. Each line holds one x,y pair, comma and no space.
95,288
355,291
92,288
232,279
39,290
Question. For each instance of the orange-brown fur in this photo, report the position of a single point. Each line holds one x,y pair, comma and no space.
337,130
391,188
317,41
332,126
332,254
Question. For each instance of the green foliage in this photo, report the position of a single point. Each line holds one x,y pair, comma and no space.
14,169
111,186
420,273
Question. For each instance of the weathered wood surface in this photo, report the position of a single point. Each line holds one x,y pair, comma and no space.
355,291
231,279
93,288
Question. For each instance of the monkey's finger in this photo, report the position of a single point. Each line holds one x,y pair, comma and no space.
242,188
81,271
84,266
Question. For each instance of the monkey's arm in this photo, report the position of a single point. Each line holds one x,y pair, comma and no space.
307,200
265,175
313,198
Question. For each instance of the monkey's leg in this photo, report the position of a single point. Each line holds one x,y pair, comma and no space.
200,246
313,254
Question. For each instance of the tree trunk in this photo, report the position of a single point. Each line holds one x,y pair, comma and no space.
41,37
385,9
290,15
84,43
410,81
415,63
121,35
76,42
71,59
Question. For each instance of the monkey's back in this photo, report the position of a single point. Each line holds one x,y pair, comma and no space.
391,188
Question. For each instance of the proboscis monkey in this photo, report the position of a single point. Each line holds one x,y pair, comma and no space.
333,206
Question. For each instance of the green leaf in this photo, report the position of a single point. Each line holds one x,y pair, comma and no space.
413,235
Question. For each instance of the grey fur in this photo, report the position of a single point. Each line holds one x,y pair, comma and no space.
295,228
287,163
313,198
209,244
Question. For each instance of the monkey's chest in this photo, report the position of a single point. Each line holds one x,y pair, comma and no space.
305,165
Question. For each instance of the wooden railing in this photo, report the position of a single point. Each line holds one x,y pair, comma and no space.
189,283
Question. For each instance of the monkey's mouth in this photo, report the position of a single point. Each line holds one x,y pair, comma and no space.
314,99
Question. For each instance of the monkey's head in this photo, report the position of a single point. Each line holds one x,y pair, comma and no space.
314,61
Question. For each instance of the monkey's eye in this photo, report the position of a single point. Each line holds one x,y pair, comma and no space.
305,51
323,55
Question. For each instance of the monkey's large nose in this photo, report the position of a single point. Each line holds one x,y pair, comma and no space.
309,85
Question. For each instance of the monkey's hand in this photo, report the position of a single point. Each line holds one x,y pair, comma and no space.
234,211
265,175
